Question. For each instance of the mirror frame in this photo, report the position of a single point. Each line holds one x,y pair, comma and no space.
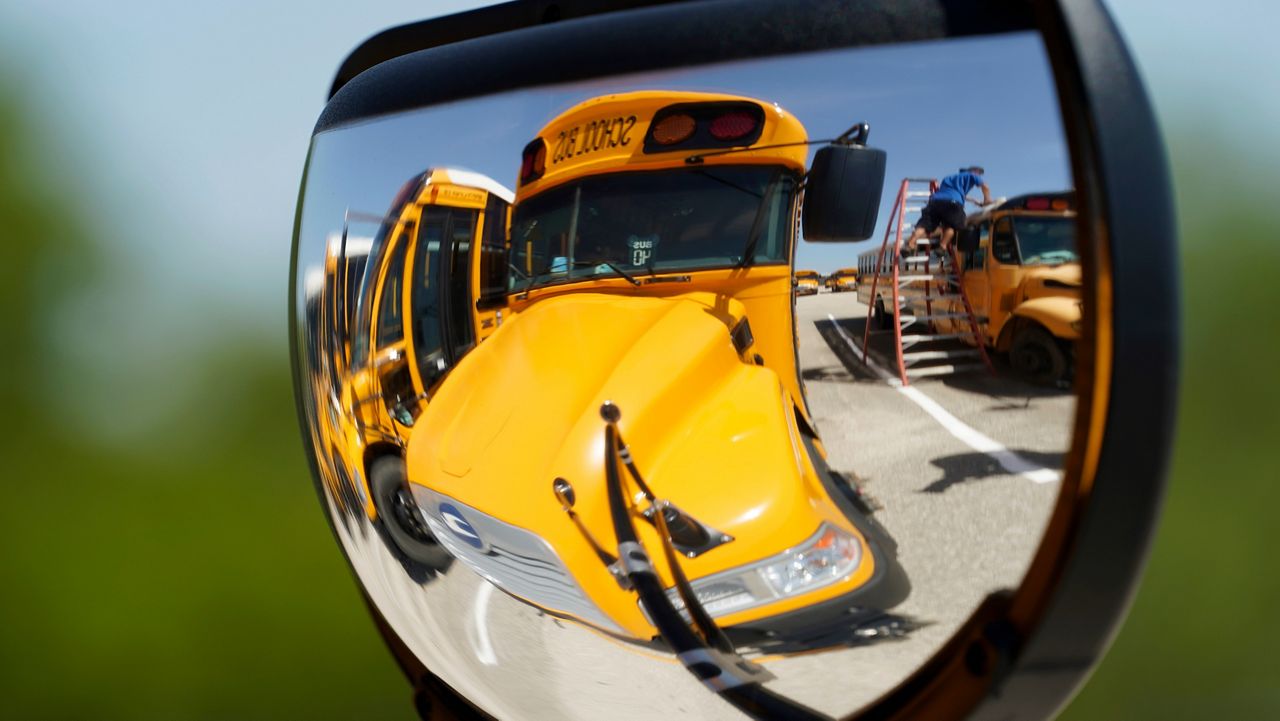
1023,652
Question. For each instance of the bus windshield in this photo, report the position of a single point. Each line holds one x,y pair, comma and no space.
649,222
1046,241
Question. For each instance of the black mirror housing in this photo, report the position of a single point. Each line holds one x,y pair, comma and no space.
842,196
1025,650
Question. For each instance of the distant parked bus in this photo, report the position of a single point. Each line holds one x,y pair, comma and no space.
873,262
843,280
807,281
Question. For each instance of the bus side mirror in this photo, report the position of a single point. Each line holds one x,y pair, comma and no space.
842,197
967,239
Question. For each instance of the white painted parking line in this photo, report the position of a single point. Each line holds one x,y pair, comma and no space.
1010,461
484,647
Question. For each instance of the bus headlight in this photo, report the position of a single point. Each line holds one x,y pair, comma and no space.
826,557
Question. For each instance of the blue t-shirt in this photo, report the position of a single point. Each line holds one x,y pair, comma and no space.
956,187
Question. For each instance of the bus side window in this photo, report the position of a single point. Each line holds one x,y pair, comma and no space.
458,327
390,316
493,252
976,259
1003,246
425,296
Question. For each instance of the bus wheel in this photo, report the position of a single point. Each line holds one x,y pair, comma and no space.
878,316
1036,355
399,518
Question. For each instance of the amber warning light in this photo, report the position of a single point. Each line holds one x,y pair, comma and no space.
690,126
1042,203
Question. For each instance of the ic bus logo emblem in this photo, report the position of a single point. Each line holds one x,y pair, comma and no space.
460,527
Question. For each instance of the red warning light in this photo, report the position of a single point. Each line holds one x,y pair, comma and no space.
733,125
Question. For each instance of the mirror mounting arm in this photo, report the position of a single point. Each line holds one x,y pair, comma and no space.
857,135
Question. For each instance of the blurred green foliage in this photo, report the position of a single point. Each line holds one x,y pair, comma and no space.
188,574
1202,636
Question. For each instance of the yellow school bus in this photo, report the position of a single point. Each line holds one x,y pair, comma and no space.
433,286
807,281
330,302
652,246
844,279
1022,275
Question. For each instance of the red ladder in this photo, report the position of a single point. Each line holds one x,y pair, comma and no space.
912,278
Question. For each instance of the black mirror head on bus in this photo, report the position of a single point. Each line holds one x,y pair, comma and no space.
842,194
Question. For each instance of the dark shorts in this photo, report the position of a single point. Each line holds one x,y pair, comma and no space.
946,213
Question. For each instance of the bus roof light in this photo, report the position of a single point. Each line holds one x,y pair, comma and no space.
710,125
540,160
673,129
533,161
1037,204
733,125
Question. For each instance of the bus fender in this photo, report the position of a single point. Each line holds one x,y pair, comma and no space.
1059,315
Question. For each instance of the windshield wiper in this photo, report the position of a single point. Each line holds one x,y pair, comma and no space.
701,647
609,264
753,238
731,184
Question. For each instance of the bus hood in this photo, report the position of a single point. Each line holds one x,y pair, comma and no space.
1051,280
710,432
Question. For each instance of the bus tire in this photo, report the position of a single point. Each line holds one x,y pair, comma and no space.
879,318
400,522
1036,355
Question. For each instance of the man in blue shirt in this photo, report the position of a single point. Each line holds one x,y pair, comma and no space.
946,207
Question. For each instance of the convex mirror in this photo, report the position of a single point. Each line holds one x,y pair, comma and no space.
654,364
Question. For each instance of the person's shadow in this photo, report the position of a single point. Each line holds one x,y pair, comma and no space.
975,466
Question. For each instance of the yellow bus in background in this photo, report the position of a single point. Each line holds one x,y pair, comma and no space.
871,263
433,286
807,282
844,279
652,245
1021,272
330,301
